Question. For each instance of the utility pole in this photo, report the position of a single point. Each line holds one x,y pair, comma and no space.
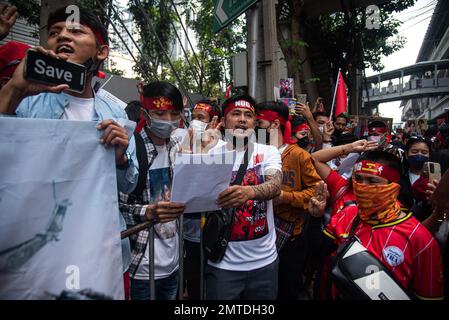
271,49
253,28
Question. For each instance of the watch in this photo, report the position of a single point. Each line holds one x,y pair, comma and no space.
127,163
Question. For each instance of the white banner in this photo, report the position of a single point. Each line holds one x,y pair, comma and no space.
59,217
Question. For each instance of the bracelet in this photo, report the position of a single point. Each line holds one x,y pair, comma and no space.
343,148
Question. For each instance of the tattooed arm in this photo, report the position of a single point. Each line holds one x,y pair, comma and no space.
235,196
270,188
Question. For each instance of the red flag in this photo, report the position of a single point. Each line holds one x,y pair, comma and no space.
340,96
228,91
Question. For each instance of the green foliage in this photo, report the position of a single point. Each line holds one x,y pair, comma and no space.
160,14
215,50
29,10
346,40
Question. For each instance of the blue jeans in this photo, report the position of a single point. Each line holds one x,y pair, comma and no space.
166,289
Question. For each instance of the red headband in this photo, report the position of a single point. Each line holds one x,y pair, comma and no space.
239,104
378,130
99,37
377,169
206,107
270,116
300,127
157,103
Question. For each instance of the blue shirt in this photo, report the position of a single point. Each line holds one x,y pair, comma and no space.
52,105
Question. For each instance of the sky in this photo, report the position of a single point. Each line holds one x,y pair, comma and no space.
415,22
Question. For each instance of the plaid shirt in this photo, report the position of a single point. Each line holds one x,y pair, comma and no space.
135,213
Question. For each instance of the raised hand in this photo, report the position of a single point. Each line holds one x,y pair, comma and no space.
363,146
317,203
8,16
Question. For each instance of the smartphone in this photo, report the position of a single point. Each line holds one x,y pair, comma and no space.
301,98
432,170
44,69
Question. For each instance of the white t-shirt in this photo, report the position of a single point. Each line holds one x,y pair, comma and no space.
413,177
166,250
79,109
253,240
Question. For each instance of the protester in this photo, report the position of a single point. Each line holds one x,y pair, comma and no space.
161,113
340,124
414,184
378,132
399,241
299,179
205,114
249,267
303,111
321,119
86,43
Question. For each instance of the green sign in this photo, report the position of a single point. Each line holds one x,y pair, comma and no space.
227,11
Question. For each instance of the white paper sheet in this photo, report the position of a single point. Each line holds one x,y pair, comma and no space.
59,216
198,179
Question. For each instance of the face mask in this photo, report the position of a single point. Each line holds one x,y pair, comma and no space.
377,203
417,161
198,125
263,134
303,142
162,128
374,138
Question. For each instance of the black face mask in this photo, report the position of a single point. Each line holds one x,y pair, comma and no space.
303,142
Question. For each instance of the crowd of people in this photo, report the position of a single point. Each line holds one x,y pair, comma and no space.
312,184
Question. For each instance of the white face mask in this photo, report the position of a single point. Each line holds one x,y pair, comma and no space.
198,125
374,138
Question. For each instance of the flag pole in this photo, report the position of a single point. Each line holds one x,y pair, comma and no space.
335,92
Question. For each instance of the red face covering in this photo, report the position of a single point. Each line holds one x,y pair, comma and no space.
377,203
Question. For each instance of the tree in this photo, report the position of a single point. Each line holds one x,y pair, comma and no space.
215,51
342,37
153,18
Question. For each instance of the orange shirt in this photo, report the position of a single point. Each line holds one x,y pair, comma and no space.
299,180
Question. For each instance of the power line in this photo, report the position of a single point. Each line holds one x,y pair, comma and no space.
194,71
121,38
150,24
187,36
118,33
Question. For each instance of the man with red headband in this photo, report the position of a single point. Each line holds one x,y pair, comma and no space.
11,54
249,268
150,201
378,132
83,43
299,180
396,238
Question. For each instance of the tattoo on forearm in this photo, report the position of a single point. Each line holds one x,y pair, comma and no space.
270,188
